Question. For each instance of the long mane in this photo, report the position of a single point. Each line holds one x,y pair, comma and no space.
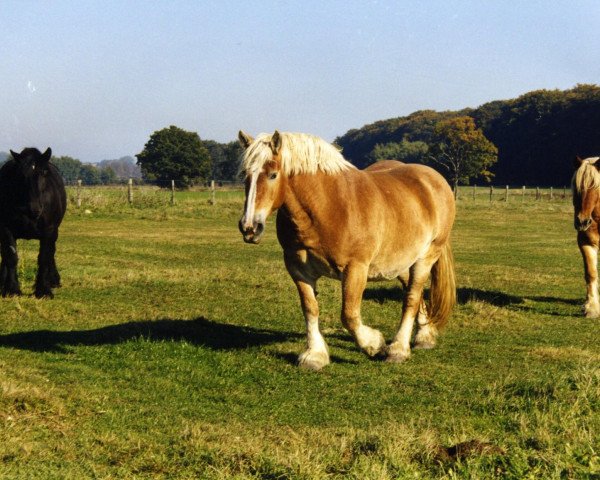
586,177
300,153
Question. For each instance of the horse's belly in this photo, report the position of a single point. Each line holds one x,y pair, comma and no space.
377,273
394,262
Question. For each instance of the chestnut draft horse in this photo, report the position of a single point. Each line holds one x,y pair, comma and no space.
586,202
392,220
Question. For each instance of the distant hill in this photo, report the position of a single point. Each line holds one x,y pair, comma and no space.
537,134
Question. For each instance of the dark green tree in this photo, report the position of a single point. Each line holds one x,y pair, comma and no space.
89,174
108,176
225,159
462,150
69,168
406,151
174,154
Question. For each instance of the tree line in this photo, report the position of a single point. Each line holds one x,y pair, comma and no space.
537,135
530,140
170,154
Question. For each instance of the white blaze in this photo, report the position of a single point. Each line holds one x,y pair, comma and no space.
250,201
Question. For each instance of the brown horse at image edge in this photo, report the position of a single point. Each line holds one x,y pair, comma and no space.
392,220
586,202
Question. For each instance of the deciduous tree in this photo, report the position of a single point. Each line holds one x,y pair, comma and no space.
463,151
175,154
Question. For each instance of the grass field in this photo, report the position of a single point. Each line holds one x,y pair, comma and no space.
169,353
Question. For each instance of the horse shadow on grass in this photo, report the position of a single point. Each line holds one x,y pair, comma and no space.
200,331
466,294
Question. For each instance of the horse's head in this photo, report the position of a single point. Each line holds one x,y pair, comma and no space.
586,191
265,182
29,178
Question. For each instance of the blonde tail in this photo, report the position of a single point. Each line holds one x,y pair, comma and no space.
442,296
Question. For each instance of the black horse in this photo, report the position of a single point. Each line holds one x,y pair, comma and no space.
32,205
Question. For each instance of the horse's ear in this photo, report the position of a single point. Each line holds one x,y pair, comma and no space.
276,142
245,139
577,161
15,155
47,155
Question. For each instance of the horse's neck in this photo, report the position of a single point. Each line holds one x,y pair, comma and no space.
305,197
310,198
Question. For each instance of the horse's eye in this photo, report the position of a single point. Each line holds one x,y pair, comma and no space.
272,175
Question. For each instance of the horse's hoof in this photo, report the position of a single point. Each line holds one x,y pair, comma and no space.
44,294
371,341
591,311
314,361
397,353
11,293
396,358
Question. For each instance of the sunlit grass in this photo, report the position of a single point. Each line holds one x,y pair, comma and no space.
169,353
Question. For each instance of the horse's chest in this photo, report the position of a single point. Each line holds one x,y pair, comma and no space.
22,225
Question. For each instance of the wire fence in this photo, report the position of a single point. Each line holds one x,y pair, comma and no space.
509,193
145,195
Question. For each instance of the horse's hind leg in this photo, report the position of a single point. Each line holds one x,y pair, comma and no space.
426,332
316,355
591,307
399,349
370,340
9,282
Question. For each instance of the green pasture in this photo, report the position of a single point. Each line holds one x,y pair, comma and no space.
170,353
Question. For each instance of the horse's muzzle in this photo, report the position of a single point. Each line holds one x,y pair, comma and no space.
582,224
251,234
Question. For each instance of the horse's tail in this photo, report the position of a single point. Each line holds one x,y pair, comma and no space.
442,296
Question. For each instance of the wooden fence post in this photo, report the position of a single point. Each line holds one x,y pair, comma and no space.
551,193
212,192
78,200
506,194
172,192
491,192
130,191
523,195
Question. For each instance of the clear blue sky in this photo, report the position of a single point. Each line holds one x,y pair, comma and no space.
93,79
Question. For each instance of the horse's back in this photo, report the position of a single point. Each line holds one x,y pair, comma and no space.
415,195
421,181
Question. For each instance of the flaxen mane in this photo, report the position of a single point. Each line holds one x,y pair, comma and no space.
587,176
300,153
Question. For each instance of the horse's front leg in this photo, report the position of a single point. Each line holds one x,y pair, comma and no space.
44,278
399,349
316,355
53,276
9,282
354,281
591,307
